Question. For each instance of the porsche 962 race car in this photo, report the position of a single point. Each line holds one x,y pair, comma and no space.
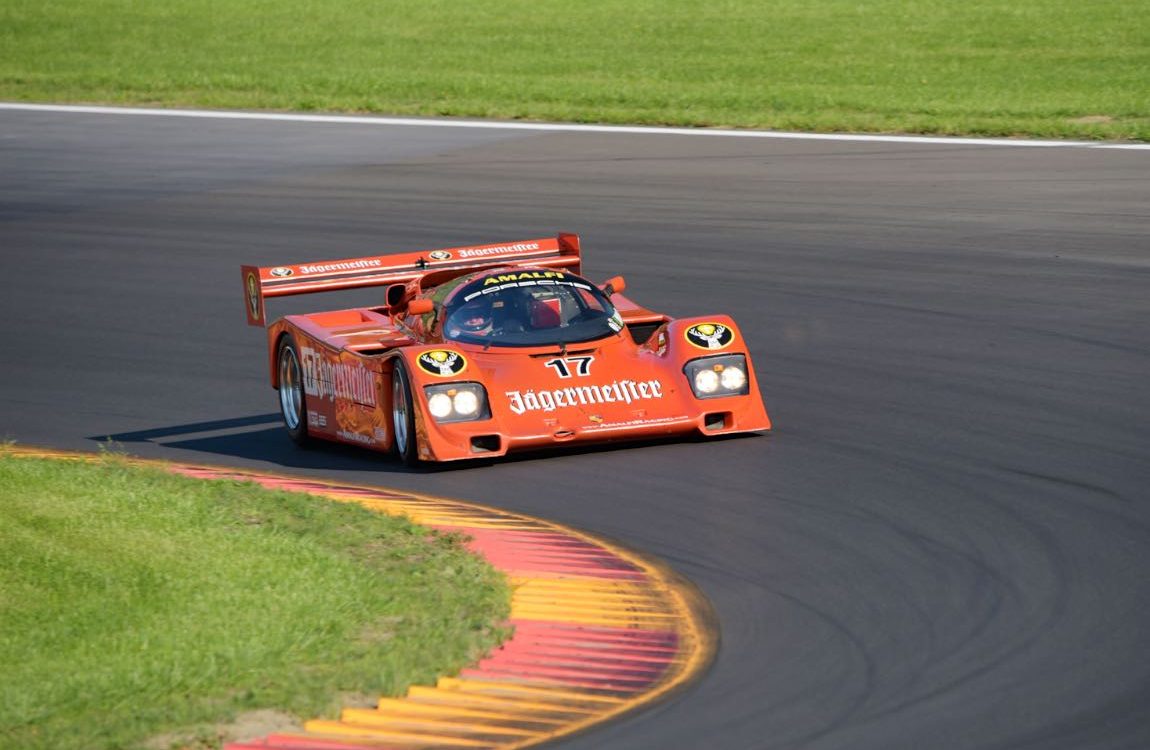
477,351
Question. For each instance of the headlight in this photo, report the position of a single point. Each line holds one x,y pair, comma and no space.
439,404
733,378
457,402
715,377
706,381
466,403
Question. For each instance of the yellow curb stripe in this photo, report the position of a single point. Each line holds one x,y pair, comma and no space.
409,739
590,619
398,707
617,604
382,719
488,687
540,593
447,696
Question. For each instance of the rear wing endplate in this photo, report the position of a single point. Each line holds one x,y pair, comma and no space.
561,251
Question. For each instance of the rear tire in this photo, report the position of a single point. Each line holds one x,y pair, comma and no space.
403,416
293,401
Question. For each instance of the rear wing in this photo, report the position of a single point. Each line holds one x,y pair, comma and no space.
561,251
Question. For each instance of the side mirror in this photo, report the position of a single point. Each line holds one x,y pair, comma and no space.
395,294
420,306
614,285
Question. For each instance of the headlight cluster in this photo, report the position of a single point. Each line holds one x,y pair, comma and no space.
457,402
714,377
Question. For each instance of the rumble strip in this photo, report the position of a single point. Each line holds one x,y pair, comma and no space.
599,631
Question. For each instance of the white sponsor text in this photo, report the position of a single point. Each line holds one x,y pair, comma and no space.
332,380
479,252
621,391
344,266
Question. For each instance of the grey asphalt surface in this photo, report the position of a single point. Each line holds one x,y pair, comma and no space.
945,543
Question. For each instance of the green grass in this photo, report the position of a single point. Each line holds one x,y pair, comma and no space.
136,603
1051,68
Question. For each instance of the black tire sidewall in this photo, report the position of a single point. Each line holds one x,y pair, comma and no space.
409,454
299,434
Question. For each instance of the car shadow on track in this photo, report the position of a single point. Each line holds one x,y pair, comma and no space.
257,438
261,438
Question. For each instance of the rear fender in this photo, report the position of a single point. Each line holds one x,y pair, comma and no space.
276,334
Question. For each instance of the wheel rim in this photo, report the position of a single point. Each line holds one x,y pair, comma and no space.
399,411
291,391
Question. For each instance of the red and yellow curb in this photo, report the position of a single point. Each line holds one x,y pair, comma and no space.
599,631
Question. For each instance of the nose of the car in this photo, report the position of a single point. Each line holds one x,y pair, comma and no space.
562,389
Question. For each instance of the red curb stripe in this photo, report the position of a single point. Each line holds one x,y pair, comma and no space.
629,671
291,742
556,678
594,632
582,653
582,669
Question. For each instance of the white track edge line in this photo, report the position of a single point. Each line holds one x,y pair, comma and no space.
563,127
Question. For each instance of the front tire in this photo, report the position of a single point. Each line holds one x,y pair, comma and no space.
403,416
293,401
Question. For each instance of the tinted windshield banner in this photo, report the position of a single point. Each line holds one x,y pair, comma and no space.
527,278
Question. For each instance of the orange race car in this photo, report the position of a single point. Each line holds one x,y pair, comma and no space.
476,351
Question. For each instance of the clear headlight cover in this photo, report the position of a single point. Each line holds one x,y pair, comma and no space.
439,404
457,402
466,403
706,381
733,378
719,376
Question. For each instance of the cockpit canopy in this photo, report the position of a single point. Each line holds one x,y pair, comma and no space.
528,307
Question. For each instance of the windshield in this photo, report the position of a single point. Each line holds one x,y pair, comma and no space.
529,308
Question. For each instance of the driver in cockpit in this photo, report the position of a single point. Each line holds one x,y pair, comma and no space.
491,314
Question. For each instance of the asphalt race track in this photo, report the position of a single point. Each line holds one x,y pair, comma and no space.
945,543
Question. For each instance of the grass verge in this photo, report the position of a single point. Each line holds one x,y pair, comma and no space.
138,604
1051,68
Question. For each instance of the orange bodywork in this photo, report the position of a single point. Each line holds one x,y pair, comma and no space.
629,385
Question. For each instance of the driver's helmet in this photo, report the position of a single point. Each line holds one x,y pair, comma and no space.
475,316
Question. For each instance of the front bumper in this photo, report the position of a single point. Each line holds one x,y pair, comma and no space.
496,437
